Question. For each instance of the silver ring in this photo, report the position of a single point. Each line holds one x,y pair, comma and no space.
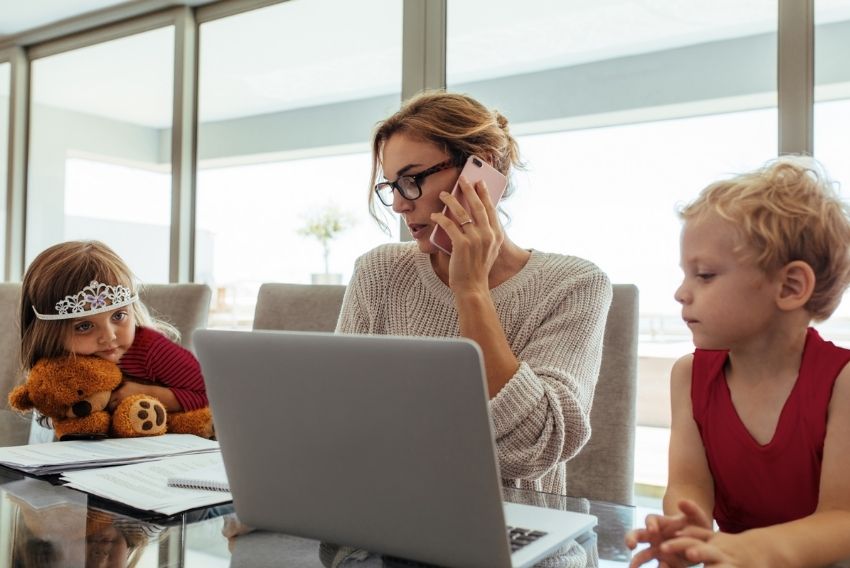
467,222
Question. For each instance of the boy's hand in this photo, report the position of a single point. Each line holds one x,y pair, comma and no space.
711,548
661,529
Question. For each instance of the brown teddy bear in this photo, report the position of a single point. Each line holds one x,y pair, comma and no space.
73,391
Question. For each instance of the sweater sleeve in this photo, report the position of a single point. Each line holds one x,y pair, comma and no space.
175,367
542,415
353,316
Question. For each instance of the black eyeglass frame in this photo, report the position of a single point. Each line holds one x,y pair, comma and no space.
415,178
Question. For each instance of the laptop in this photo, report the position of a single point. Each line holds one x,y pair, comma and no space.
379,442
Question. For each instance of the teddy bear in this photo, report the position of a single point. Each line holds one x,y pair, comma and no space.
74,391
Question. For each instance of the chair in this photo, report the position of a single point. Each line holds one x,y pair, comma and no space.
298,307
185,306
604,469
14,427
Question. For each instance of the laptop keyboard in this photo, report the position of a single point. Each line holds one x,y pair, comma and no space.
520,537
517,536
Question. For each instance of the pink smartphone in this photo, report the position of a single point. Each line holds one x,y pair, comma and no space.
474,170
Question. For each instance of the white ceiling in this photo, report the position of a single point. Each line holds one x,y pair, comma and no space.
310,52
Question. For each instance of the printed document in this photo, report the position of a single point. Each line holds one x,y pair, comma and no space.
145,485
53,457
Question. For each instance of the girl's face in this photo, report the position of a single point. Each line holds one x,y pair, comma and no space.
406,156
107,335
726,299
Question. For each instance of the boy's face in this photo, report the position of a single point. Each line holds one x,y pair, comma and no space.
727,301
107,335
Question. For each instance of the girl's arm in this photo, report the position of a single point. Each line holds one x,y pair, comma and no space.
153,357
820,539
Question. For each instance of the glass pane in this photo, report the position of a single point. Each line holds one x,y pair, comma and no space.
285,121
100,158
5,89
623,111
832,119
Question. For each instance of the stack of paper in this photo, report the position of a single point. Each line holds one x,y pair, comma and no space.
145,485
54,457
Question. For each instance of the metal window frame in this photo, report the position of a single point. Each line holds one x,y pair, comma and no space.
796,76
16,170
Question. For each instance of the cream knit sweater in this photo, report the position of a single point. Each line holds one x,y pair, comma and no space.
553,312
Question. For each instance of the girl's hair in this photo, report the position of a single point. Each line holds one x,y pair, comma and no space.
457,124
787,210
62,270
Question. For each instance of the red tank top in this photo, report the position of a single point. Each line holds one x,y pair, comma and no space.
755,485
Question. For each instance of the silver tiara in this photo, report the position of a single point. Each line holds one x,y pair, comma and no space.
93,299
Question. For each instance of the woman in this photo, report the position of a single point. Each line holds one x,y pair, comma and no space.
538,317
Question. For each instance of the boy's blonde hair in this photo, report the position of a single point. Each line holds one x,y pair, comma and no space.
787,210
65,269
457,124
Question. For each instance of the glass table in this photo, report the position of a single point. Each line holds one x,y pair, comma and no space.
45,524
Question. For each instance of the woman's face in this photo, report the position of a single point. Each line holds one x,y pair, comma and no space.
404,155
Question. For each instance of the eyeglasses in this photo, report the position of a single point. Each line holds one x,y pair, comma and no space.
409,187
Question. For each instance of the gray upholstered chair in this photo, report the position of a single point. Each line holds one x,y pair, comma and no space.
185,306
298,307
604,469
14,427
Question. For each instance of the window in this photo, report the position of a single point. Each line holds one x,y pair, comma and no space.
99,159
287,100
832,119
623,111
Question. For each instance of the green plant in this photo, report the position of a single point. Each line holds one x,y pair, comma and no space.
324,226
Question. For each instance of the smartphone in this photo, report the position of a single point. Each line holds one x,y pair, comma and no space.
474,170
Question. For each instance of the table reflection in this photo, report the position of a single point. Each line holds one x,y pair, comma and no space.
54,526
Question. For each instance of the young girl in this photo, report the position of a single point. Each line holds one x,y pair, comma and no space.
760,438
80,297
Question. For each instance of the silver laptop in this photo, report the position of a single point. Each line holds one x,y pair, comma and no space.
378,442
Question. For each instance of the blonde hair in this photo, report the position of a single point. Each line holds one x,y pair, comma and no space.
62,270
787,210
457,124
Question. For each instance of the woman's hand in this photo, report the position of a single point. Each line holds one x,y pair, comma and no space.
476,236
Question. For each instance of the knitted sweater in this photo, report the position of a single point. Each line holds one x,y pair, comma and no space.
156,358
553,313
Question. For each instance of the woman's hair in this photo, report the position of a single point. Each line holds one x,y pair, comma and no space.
787,210
457,124
62,270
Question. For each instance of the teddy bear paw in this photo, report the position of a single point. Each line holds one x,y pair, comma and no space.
139,415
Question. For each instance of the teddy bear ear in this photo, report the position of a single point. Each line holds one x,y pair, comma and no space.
19,398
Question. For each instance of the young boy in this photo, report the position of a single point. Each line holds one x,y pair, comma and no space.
760,438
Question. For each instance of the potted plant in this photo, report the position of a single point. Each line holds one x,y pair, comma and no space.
325,225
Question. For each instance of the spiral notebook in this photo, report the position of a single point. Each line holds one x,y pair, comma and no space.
210,478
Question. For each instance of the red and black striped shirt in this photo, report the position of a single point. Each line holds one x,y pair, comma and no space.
156,358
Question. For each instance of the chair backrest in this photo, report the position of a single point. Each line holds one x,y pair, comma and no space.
604,469
185,306
14,427
298,307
